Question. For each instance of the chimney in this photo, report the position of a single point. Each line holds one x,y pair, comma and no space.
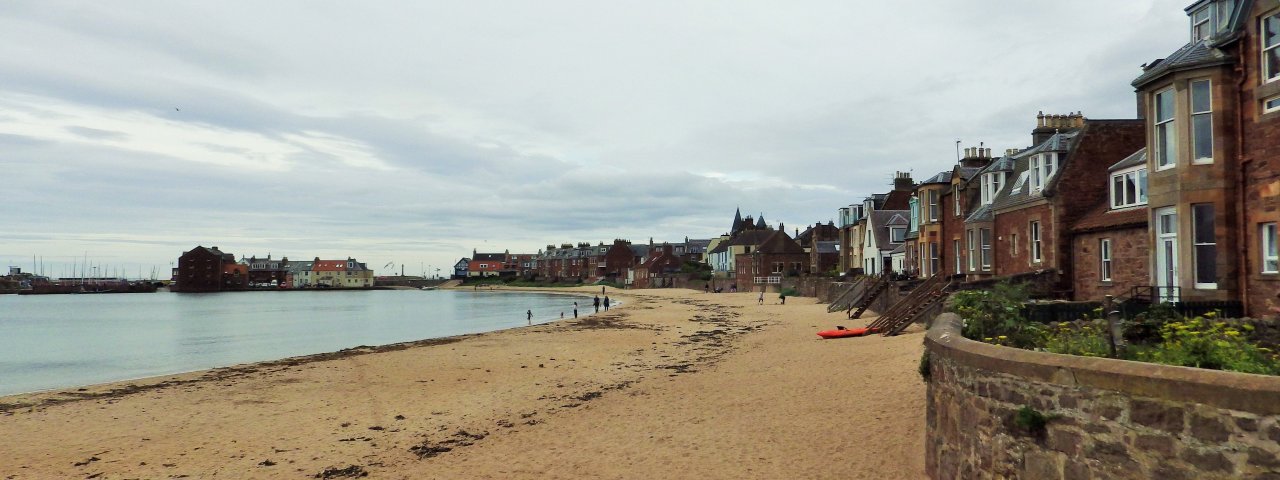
976,157
902,181
1048,125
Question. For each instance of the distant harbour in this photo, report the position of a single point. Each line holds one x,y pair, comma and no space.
64,341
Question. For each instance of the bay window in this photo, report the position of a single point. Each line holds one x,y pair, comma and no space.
1270,53
1205,251
1166,141
1201,122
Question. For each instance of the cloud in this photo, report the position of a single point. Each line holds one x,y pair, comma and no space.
415,132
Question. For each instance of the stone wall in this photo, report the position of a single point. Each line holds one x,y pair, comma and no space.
1129,263
1105,418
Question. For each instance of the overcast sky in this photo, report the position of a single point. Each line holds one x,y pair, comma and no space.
413,132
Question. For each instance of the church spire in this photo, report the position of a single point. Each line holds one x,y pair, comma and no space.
737,221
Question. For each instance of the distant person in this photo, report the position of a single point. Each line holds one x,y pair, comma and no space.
597,303
530,314
575,309
733,288
782,298
761,299
602,289
706,288
606,303
562,315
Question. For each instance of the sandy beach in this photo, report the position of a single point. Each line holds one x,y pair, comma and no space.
673,384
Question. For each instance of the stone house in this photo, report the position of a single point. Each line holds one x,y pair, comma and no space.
658,269
855,255
1212,108
885,231
267,270
1110,241
821,241
341,273
958,201
925,247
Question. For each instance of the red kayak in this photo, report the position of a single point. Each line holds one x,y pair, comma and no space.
842,332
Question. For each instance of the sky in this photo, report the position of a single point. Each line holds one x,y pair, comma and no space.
411,133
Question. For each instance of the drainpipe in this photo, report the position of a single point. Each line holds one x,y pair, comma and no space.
1242,234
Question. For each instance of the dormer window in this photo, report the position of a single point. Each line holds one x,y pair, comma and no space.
991,183
1129,188
897,234
1201,24
1043,167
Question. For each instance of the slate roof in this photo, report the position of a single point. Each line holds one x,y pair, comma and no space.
1201,53
880,220
490,257
982,214
779,242
1102,218
1009,196
941,177
1138,158
825,246
896,200
901,248
967,172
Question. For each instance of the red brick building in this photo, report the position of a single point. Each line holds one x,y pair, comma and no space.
658,268
204,269
1110,242
776,257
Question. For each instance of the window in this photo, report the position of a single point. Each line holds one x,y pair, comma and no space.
1201,122
1043,167
1129,188
897,234
971,252
1271,104
1013,244
991,183
1206,258
1104,253
1201,27
985,233
1034,228
955,193
1270,252
1270,54
955,250
1166,138
935,261
934,208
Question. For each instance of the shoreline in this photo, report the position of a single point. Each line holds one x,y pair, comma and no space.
115,388
655,388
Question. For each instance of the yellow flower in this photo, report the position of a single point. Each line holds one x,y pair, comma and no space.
1003,337
988,339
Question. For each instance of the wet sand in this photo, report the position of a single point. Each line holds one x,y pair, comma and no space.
674,384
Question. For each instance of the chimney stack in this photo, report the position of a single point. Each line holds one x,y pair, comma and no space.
1048,125
902,181
978,156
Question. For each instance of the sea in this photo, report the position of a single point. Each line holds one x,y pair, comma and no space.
52,342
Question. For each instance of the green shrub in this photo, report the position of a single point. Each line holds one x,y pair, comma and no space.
995,315
1030,420
1205,343
1088,340
925,362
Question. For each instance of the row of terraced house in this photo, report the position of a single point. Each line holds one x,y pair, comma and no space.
209,269
1179,203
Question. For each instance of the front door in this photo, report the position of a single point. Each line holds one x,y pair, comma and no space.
1166,254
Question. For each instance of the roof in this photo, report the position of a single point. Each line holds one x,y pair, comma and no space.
490,256
1138,158
300,266
880,220
779,242
896,200
901,248
1102,218
330,266
941,177
828,246
1016,189
1201,53
982,214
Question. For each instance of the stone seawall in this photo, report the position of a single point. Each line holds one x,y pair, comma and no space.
1103,418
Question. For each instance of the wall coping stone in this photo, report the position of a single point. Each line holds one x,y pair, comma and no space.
1231,390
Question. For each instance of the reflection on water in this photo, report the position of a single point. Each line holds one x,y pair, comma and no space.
59,341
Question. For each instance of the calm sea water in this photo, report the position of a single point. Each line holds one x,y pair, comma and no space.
60,341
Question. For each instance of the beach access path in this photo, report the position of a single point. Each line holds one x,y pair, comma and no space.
673,384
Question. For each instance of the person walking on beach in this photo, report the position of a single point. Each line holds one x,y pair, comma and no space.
597,303
575,309
761,299
706,288
782,298
606,303
530,314
602,289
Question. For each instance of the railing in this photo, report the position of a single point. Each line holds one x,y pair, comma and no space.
768,280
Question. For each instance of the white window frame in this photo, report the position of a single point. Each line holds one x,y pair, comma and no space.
1268,75
935,208
972,256
1197,242
1043,166
1037,248
1207,22
984,235
1167,128
1104,259
1013,244
955,250
1270,249
899,238
1271,104
1191,95
1119,199
935,258
955,191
